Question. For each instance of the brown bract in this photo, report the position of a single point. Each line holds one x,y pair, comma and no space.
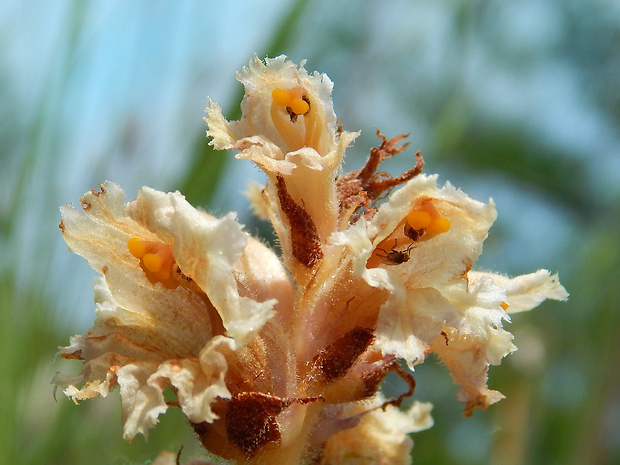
360,190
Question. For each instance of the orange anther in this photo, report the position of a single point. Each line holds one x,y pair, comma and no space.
281,97
299,106
152,262
136,247
419,219
438,225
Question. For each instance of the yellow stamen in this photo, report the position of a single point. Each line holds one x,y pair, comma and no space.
136,247
504,305
419,219
438,225
299,106
152,262
281,97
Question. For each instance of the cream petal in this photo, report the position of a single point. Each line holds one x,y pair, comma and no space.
259,204
206,249
527,291
408,328
147,337
118,350
476,341
380,438
261,276
445,257
142,402
198,382
219,130
126,301
268,156
260,79
300,153
440,261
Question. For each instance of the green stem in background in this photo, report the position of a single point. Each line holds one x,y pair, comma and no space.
206,168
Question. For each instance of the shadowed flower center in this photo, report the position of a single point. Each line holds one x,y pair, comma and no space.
286,108
422,223
156,260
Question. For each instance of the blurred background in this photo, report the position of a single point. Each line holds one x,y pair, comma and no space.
515,100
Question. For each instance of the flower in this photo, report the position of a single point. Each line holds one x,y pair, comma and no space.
282,359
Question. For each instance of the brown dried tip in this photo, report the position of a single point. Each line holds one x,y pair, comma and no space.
373,378
365,186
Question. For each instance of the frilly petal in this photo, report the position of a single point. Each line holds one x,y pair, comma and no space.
407,329
441,261
198,383
446,257
206,249
148,337
468,346
380,437
527,291
126,301
222,137
260,79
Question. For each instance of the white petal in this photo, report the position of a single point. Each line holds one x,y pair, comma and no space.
408,329
528,291
222,138
476,341
142,402
445,257
197,382
380,438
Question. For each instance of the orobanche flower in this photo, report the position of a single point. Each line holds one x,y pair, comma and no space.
281,359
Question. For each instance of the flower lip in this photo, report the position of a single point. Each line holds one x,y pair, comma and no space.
284,105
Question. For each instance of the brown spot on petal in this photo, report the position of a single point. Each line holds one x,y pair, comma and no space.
472,405
467,266
372,379
85,205
101,191
335,360
73,355
305,243
250,419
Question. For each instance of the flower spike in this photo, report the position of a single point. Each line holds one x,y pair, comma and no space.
281,359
